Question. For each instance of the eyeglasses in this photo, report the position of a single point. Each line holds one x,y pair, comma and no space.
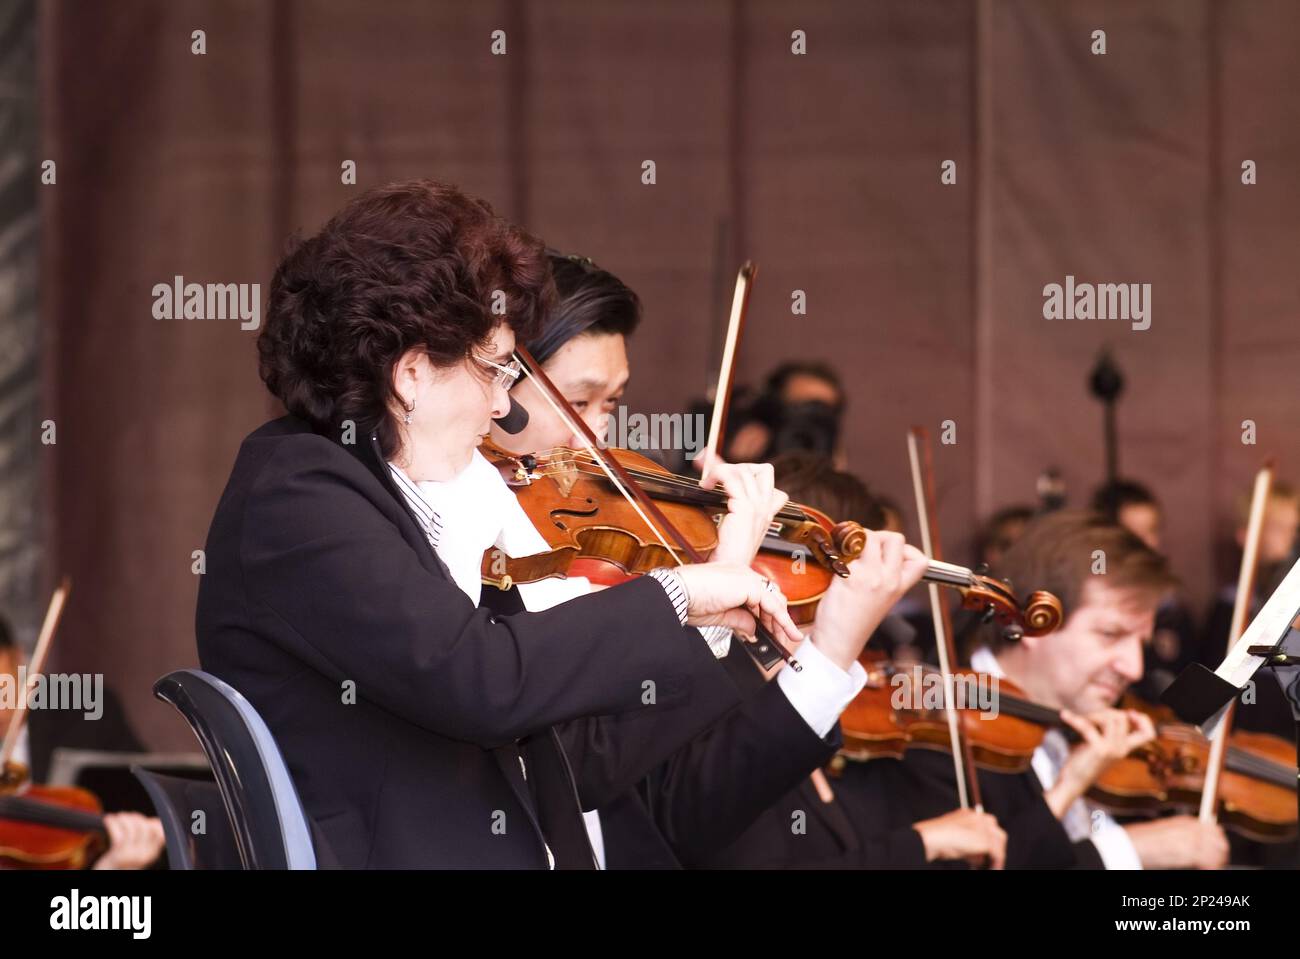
508,375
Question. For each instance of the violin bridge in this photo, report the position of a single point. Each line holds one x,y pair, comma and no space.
564,473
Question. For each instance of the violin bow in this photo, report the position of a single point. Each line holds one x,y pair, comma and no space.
735,326
53,613
640,500
918,452
1209,812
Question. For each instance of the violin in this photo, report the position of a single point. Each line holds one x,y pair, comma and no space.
874,727
1257,788
48,827
594,532
1002,733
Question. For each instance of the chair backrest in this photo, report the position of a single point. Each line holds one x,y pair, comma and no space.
266,815
176,800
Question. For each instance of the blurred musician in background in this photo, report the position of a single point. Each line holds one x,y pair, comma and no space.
1081,670
134,840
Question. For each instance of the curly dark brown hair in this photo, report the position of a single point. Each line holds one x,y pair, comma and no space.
412,265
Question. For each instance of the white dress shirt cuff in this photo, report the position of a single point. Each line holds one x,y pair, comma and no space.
821,690
674,588
1115,847
718,638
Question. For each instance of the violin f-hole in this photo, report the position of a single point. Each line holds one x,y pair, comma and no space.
573,511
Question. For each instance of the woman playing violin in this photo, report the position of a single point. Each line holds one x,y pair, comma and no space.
421,730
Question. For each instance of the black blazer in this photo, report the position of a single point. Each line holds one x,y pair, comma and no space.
853,831
876,802
404,713
709,792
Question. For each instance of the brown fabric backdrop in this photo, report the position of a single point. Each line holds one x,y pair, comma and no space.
823,168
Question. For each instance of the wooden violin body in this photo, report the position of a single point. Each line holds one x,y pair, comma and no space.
1257,788
49,827
901,708
590,532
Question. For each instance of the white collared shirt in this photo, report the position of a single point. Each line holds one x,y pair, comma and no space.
1082,820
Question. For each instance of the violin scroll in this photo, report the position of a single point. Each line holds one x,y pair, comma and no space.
850,539
1042,613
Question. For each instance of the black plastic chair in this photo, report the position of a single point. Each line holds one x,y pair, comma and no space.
176,800
266,817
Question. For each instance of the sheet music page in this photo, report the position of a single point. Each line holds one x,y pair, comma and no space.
1266,629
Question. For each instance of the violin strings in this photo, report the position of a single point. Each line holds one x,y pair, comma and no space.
674,478
1258,766
790,511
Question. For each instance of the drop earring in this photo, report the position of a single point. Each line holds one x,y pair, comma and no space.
409,410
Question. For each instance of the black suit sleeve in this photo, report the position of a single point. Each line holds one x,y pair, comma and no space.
850,832
331,578
1035,837
1086,855
711,790
610,754
900,848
